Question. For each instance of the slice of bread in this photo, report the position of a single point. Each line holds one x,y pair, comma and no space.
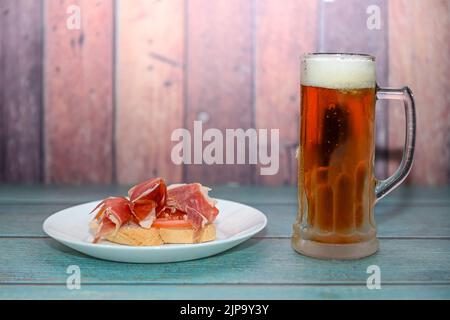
134,235
187,235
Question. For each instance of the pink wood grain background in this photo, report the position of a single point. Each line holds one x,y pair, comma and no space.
282,33
149,88
219,81
419,45
98,105
78,86
20,91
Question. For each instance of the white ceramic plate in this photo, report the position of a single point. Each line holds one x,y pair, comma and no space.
234,224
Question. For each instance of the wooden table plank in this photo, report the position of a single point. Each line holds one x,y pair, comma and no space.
51,194
410,268
220,292
288,195
392,221
25,220
17,194
257,261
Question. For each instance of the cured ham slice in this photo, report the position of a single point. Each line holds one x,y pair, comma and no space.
192,199
148,199
144,212
181,212
112,214
104,228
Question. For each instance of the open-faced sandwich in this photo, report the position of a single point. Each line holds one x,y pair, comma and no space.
154,214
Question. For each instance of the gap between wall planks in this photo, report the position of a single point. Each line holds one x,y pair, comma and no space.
78,93
419,49
282,34
150,74
20,90
355,36
219,78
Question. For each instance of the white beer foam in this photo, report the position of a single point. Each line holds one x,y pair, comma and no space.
338,71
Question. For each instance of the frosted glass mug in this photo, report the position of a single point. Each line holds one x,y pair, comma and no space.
337,189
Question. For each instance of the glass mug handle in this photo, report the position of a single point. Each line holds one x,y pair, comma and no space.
383,187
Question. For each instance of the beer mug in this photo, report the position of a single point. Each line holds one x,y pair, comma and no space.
337,189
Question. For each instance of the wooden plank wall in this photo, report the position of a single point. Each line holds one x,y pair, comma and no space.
219,77
282,34
149,92
78,93
99,104
419,47
20,91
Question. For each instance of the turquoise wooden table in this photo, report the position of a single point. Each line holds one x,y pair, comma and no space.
414,256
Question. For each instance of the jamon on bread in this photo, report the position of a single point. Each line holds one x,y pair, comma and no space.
154,214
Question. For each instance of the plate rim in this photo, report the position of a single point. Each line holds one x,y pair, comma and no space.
164,247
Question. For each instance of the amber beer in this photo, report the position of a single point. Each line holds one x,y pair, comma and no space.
336,152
